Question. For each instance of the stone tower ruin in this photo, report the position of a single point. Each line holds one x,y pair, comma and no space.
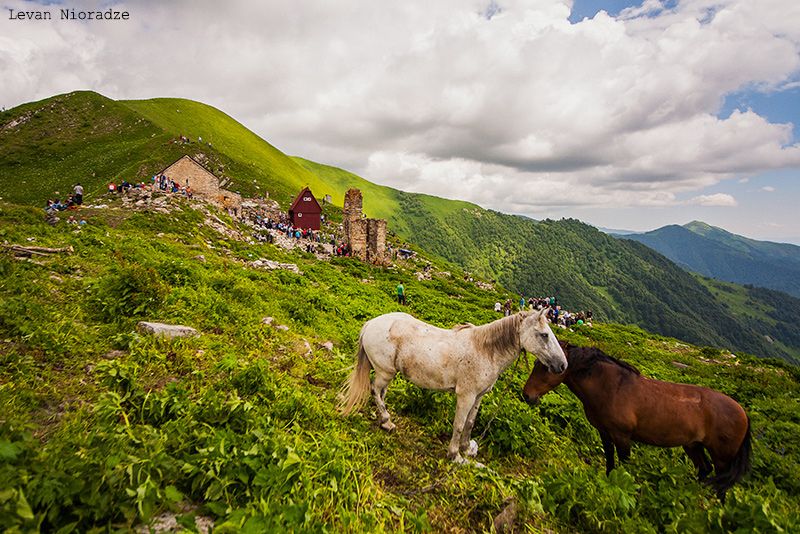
366,237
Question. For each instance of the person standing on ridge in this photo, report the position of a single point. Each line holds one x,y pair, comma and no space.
401,294
78,194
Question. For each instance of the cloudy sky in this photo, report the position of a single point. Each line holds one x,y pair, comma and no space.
623,114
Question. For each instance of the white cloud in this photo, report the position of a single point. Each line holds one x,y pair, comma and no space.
521,112
768,189
717,199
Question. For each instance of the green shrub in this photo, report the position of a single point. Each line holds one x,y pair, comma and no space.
127,292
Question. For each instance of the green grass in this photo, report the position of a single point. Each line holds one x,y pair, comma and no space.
240,423
771,310
86,137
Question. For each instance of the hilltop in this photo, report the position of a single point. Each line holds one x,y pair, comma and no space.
105,428
716,253
47,146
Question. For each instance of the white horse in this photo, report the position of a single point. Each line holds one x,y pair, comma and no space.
466,359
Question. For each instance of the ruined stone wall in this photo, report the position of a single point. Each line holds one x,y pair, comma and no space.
376,240
366,237
358,238
351,211
230,202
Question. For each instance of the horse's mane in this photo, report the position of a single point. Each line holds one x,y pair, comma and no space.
583,359
497,336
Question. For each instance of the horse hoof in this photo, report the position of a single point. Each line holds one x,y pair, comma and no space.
472,448
460,460
388,426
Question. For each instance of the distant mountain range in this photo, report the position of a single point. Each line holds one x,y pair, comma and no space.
716,253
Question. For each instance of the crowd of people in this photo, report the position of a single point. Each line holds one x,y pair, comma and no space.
71,202
158,182
286,228
162,182
555,314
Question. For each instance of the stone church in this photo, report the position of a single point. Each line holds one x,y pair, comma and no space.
188,172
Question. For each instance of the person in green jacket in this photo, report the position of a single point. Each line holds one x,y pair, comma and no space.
401,294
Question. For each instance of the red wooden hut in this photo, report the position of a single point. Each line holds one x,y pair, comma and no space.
305,211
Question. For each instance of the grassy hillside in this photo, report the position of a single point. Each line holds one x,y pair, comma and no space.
49,145
715,253
104,429
774,311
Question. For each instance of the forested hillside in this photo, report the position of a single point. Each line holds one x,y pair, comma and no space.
105,429
715,253
47,146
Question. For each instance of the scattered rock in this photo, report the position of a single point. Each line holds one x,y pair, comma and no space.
680,365
307,346
114,354
200,258
168,522
273,265
267,320
328,345
165,330
504,522
282,327
56,278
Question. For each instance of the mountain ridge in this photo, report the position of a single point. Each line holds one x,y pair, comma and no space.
717,253
586,269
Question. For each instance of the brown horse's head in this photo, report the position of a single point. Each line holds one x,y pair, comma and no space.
540,382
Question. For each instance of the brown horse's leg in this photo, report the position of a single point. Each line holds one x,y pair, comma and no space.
623,444
720,466
608,449
697,454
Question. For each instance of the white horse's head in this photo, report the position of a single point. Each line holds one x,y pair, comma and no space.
536,337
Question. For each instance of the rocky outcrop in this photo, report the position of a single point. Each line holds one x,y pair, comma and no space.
166,330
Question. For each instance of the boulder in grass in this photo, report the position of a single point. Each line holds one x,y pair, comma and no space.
505,520
166,330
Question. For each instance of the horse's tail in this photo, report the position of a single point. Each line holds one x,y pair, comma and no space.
738,467
355,391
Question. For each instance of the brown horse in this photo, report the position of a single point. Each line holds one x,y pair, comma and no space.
625,406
